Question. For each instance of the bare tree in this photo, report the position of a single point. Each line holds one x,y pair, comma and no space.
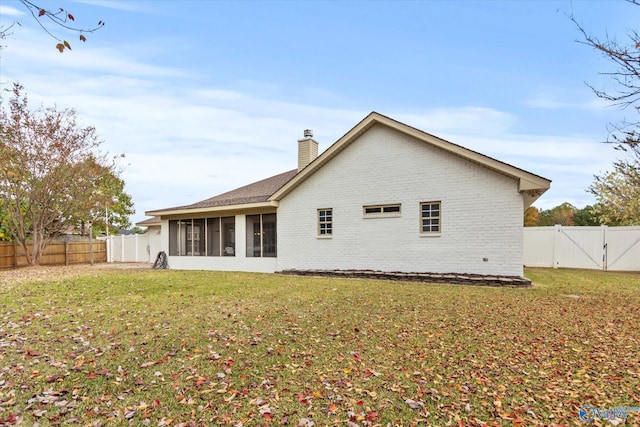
617,191
53,177
60,18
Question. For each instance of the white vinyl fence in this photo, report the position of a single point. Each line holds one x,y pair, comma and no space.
602,248
133,248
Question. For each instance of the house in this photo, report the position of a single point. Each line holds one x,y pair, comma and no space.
385,197
152,224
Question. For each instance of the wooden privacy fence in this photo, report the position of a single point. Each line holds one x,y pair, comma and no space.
56,253
600,248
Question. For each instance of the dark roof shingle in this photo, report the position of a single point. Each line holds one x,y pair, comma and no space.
259,191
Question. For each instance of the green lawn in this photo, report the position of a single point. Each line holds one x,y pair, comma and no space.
183,348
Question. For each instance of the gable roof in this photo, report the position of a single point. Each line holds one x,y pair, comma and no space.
268,192
532,186
252,195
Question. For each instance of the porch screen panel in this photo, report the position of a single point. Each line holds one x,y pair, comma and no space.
196,241
213,236
254,236
228,225
178,237
269,234
173,237
261,235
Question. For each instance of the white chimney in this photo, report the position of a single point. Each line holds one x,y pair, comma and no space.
307,149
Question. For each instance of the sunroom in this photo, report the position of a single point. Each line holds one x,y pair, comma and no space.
234,231
216,236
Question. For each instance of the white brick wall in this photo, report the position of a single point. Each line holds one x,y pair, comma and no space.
481,212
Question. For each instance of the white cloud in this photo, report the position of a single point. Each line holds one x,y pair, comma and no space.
550,102
82,63
10,11
113,4
463,120
185,142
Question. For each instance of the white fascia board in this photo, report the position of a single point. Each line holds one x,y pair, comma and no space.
246,206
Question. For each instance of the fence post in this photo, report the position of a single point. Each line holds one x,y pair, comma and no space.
15,255
605,245
91,244
66,252
556,238
135,239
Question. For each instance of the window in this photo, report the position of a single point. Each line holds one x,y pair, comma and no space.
200,237
325,222
261,235
381,210
430,217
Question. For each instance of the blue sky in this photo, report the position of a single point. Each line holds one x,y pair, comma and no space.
206,96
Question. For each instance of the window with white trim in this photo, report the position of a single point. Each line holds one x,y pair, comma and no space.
430,216
373,211
325,222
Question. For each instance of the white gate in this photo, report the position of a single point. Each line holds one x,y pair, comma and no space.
603,248
580,247
623,248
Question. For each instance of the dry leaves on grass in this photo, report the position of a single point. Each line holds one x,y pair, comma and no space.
196,348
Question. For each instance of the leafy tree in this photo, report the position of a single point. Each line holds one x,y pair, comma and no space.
53,177
60,18
138,230
561,214
531,216
4,231
587,216
110,206
617,191
565,214
618,194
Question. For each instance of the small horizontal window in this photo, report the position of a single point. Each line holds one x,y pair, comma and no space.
381,210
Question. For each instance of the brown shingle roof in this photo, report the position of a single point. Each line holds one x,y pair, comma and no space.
149,222
259,191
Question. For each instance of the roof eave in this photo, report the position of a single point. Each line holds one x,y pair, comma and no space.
243,206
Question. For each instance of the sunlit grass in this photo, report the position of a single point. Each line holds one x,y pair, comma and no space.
204,348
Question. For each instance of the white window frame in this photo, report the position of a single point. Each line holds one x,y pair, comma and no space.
324,222
431,217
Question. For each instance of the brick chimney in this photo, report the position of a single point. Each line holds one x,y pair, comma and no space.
307,149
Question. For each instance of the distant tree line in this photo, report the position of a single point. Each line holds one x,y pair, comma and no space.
569,215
